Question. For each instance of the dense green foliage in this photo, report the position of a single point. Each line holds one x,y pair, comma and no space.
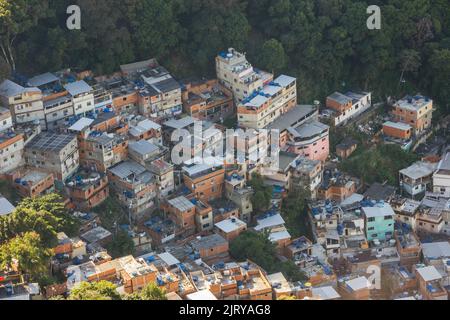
102,290
262,193
105,290
29,234
295,213
27,251
380,164
324,43
112,215
150,293
257,247
121,245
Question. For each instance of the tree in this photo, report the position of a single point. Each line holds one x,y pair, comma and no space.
151,292
16,17
102,290
52,203
262,194
292,271
45,224
32,258
45,215
295,212
272,56
155,28
255,247
380,164
121,245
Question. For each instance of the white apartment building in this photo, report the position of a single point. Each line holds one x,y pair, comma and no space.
11,151
55,153
237,74
25,104
348,106
58,110
441,178
265,106
5,119
82,97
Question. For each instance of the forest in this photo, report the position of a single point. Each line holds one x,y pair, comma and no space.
324,43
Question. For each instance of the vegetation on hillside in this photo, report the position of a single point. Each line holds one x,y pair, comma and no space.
379,164
28,235
257,247
324,43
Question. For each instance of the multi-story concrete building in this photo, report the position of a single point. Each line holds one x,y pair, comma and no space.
415,111
336,186
307,174
88,189
82,96
230,228
441,178
379,222
182,211
417,178
145,130
204,218
32,183
301,133
103,98
431,283
237,192
135,187
11,151
208,100
204,181
310,140
263,107
348,106
237,74
163,172
25,104
5,119
55,153
159,94
102,151
58,109
143,151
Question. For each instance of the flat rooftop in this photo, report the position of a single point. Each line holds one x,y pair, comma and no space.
269,221
50,142
230,225
34,176
208,242
413,103
419,170
379,210
78,87
181,203
309,129
340,98
143,147
298,114
397,125
95,235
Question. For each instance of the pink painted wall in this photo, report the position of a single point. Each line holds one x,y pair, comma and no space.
320,151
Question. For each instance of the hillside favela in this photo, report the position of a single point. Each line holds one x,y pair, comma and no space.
234,150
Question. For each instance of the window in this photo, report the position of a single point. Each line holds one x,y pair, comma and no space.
371,228
371,219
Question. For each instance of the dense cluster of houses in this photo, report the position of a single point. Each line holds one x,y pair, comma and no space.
90,137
